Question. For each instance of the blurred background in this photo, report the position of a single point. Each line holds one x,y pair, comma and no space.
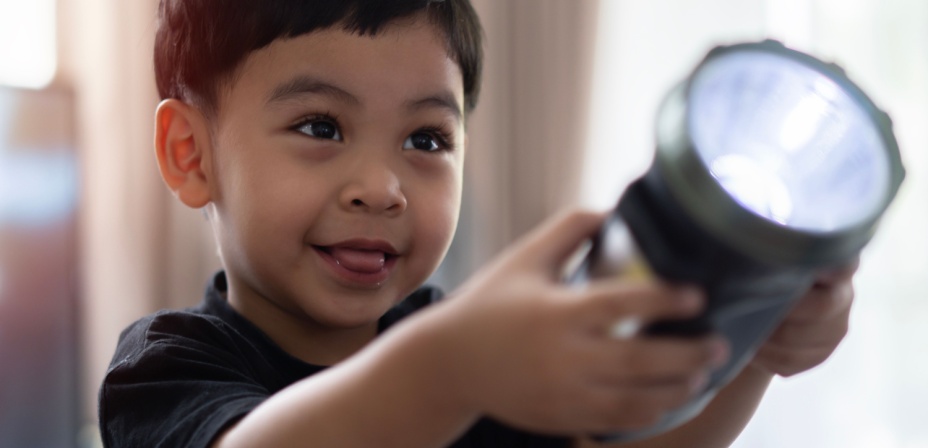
90,240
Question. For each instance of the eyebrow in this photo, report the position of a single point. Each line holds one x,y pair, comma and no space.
302,85
443,100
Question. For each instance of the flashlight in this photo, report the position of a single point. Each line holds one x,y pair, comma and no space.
770,165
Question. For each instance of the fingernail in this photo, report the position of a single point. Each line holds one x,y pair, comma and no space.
719,353
699,382
690,297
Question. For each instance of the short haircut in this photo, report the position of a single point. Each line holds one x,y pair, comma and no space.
200,44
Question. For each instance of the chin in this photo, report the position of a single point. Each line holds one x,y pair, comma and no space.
356,310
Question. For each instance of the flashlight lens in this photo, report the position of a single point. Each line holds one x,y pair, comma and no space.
787,142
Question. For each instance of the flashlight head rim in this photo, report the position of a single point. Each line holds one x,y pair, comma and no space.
703,197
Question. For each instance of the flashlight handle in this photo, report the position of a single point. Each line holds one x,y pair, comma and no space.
744,303
613,252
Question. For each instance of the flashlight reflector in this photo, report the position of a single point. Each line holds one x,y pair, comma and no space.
786,142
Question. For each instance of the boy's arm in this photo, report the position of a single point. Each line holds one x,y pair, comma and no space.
808,335
513,344
718,425
391,394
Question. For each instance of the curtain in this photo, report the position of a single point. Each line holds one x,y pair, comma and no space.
526,139
140,250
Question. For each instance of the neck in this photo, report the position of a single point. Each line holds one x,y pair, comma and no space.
300,336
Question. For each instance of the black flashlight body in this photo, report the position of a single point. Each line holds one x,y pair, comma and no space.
746,298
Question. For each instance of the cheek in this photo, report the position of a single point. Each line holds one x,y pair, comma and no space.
272,205
438,217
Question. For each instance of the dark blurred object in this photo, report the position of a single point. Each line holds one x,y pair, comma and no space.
38,290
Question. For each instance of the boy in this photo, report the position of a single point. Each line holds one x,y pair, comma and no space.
325,141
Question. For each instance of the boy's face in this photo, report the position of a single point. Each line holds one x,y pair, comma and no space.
336,173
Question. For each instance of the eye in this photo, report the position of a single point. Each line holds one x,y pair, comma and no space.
426,140
320,127
421,141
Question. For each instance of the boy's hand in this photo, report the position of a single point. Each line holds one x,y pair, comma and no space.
536,353
812,330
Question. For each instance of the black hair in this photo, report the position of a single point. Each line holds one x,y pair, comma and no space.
200,43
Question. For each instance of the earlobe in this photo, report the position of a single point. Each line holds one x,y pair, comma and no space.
182,149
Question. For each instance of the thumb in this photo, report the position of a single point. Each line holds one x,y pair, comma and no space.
549,245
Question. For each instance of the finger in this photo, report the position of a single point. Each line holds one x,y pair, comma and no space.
788,361
638,406
811,334
552,243
658,359
838,274
604,303
823,303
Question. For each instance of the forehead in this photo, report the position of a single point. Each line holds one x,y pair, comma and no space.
406,59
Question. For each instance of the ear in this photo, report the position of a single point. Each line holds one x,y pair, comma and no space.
183,149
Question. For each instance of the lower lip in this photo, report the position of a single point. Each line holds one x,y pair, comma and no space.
357,279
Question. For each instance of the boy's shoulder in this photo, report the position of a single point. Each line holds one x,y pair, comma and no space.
176,361
165,328
208,336
174,327
214,329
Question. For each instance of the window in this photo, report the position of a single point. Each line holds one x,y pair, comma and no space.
27,43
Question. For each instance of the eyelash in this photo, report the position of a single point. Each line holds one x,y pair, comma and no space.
442,137
309,119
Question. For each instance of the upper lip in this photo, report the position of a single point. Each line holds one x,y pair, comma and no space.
366,244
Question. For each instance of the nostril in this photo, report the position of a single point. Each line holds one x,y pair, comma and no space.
357,202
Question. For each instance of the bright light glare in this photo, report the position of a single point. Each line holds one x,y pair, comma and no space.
27,43
756,188
804,121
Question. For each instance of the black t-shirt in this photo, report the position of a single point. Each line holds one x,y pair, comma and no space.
179,378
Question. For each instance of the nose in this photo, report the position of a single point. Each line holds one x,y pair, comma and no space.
373,187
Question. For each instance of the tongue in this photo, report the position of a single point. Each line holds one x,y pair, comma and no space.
368,261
